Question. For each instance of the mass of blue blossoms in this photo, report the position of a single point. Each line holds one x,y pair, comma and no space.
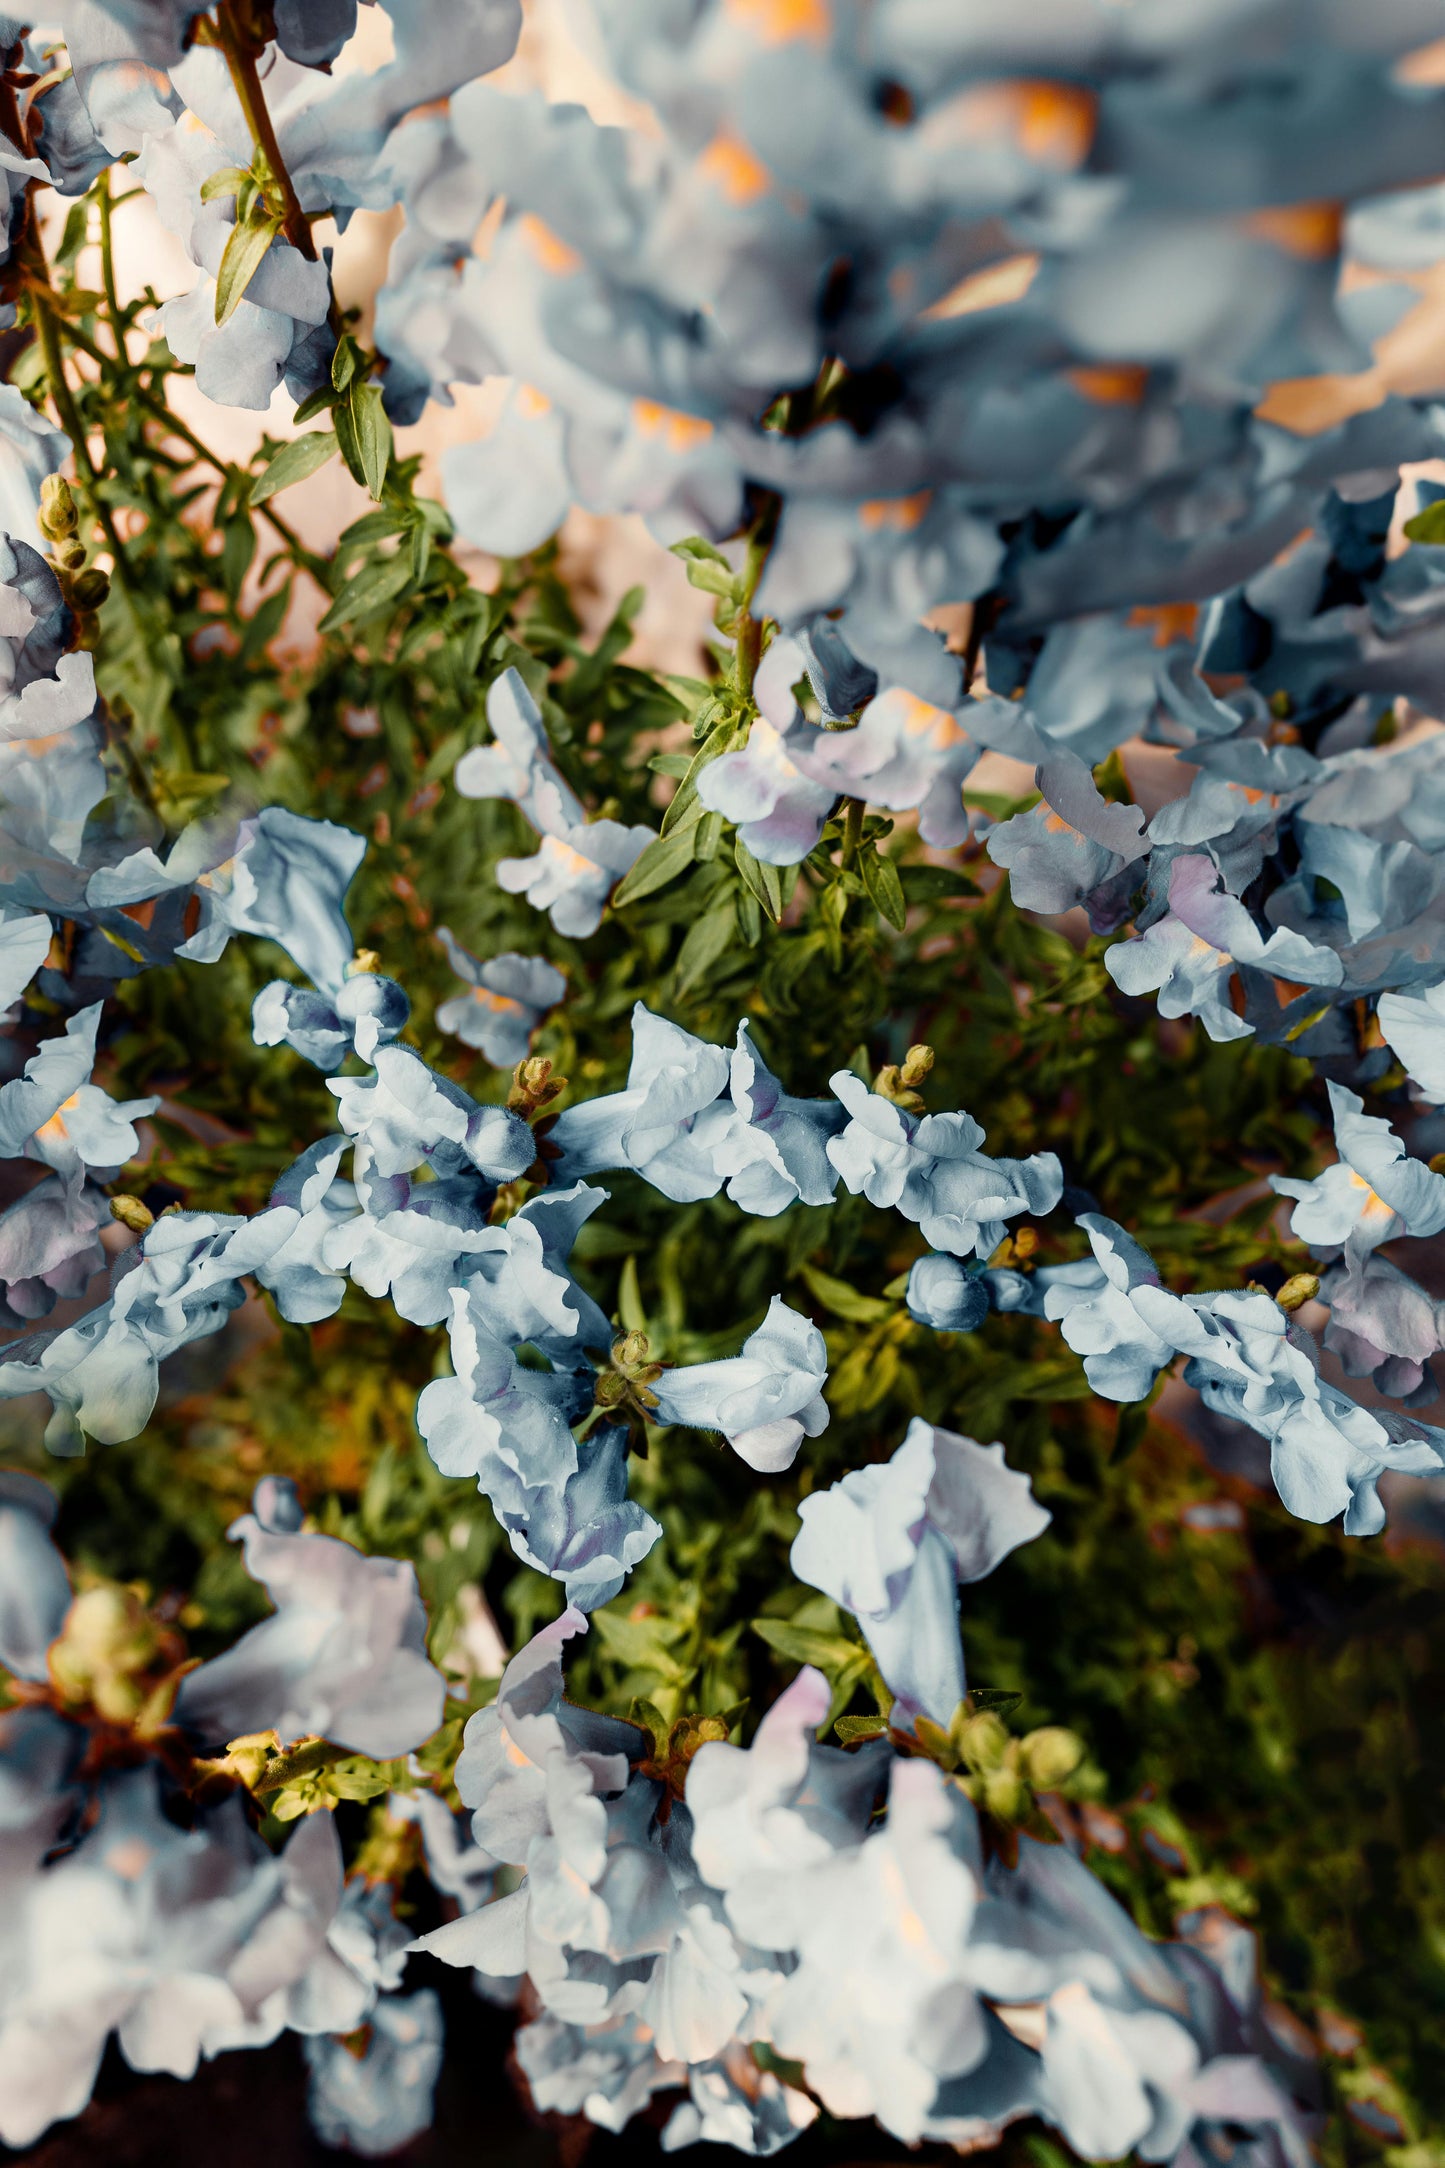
947,346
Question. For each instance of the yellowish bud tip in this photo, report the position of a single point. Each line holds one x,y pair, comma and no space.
132,1213
58,516
1298,1291
364,961
916,1064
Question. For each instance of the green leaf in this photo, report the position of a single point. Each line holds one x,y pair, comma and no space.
371,436
925,884
228,181
880,878
662,861
1429,525
371,589
345,362
319,401
243,257
828,1653
723,736
708,938
1129,1431
850,1728
265,622
843,1300
997,1698
72,241
294,462
676,764
765,881
707,568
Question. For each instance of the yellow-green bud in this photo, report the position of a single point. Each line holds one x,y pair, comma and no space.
58,515
1299,1290
365,961
1005,1795
71,555
132,1213
915,1065
1051,1756
983,1742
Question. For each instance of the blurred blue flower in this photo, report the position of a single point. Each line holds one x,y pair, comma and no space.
375,2102
508,998
344,1656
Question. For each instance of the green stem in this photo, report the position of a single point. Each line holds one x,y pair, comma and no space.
749,648
304,557
107,269
47,326
853,830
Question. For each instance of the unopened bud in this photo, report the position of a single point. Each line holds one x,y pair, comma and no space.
1051,1756
1299,1290
983,1742
91,588
70,555
915,1065
58,515
1005,1795
630,1352
132,1213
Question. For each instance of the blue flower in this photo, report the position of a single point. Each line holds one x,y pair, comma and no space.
344,1656
1374,1192
586,1532
34,1585
1122,1356
664,1125
1384,1326
1059,853
405,1116
930,1167
891,1543
376,2102
578,861
509,997
944,1294
1414,1028
765,1401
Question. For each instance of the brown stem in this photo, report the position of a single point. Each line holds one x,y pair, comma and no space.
241,53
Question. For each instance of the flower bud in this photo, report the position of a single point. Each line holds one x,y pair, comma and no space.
983,1741
91,588
132,1213
58,515
1051,1756
1298,1291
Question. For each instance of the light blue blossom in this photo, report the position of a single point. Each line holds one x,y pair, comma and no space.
344,1656
779,810
184,1941
365,1012
1414,1028
1068,846
891,1543
930,1167
586,1532
1374,1191
406,1116
775,1150
53,1113
664,1125
34,1585
1190,956
1248,1360
1383,1325
578,861
31,447
1122,1356
508,998
944,1294
376,2102
765,1401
